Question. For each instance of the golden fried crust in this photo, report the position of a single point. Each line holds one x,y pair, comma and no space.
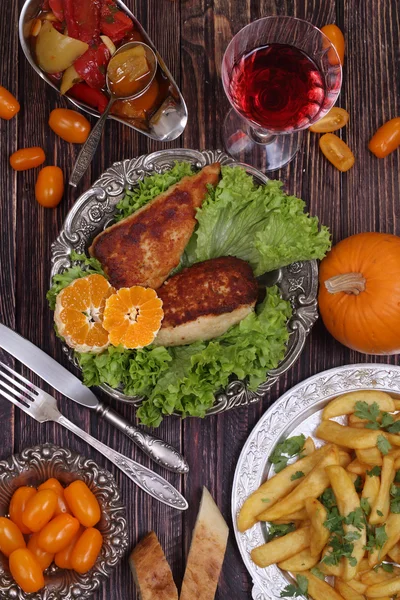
145,247
151,571
210,288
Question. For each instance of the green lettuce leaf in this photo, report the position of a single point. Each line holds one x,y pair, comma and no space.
81,267
184,379
149,188
261,225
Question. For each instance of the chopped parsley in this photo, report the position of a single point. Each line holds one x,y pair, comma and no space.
383,444
265,500
365,505
317,573
397,477
376,538
287,449
358,484
395,499
300,589
375,471
297,475
376,418
379,513
275,531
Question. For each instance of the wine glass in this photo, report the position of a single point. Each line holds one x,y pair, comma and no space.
281,75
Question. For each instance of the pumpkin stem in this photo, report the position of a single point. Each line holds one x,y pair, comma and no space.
349,283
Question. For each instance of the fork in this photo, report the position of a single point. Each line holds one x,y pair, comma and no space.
42,407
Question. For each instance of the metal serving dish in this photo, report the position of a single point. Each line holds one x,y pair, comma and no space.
94,210
32,467
165,125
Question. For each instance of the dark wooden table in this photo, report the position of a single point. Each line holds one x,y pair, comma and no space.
192,36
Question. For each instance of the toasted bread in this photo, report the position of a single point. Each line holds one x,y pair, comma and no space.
151,570
207,550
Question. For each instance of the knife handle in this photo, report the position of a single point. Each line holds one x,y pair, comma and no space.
158,450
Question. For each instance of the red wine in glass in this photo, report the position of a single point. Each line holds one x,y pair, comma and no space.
277,87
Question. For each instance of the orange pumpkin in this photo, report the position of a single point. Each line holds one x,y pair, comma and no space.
359,294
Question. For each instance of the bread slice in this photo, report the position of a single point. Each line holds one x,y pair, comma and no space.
207,551
151,570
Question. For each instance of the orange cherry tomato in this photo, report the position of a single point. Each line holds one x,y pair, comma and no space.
11,537
335,119
83,503
18,504
63,558
27,158
335,36
44,558
336,151
386,139
57,534
26,571
86,550
49,188
70,125
39,510
55,485
9,105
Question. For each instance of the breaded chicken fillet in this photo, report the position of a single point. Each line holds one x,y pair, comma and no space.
145,247
205,300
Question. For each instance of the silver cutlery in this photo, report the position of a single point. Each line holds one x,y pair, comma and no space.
65,382
42,407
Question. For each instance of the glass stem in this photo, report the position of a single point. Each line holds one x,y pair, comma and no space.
260,136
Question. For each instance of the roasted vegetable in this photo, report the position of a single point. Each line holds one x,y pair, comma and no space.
56,52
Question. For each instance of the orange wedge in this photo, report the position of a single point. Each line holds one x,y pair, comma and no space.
133,316
79,313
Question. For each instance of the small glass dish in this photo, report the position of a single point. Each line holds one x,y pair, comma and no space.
32,467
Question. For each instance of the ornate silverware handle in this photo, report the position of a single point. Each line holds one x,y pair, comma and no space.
160,451
89,148
147,480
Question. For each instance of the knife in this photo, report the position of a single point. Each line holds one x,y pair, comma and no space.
65,382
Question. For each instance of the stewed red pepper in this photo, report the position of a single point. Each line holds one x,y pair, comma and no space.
92,66
114,23
90,96
83,19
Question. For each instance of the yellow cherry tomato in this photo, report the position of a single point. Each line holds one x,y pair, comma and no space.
9,105
57,534
335,119
44,558
11,537
336,151
83,503
39,510
86,550
27,158
17,506
70,125
26,571
49,188
335,36
386,139
63,558
55,485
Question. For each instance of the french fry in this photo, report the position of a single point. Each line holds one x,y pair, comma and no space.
357,467
372,577
311,486
317,514
346,403
335,570
371,490
386,588
381,507
319,589
392,528
394,553
397,464
353,476
357,585
275,488
396,402
395,453
363,565
346,591
344,458
309,447
369,456
303,561
347,501
351,437
353,421
281,548
299,515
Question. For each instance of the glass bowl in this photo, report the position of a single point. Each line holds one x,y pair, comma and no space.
32,467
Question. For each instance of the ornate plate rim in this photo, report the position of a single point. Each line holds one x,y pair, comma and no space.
126,173
269,582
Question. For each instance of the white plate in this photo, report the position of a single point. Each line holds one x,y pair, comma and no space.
297,411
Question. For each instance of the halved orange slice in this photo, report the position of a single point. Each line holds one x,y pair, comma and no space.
79,313
133,316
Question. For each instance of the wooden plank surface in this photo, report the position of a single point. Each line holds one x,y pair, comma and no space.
192,36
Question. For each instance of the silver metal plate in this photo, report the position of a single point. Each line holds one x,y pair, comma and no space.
94,210
297,411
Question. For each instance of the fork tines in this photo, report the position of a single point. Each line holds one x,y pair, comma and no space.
12,394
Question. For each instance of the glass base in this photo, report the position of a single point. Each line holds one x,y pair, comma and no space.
264,152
